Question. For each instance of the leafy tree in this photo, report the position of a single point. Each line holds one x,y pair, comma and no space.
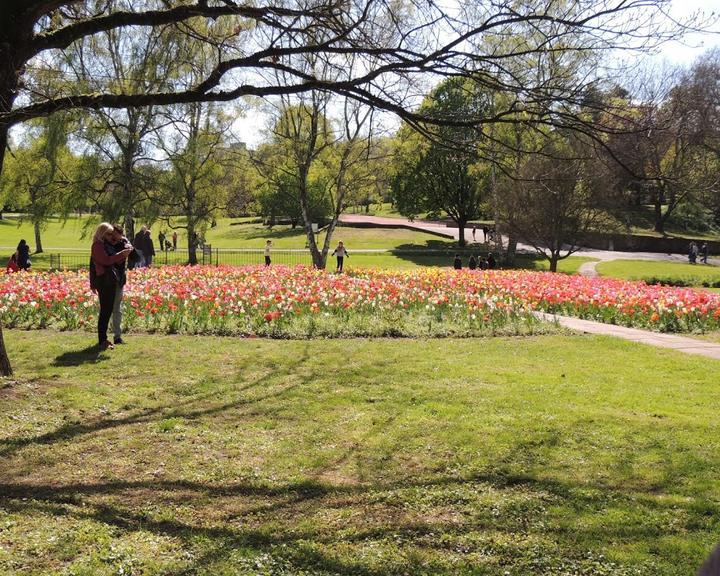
444,172
555,197
37,178
196,185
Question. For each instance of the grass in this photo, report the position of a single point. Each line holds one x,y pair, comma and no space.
690,274
65,238
535,456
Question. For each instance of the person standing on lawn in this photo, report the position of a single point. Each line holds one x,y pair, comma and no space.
174,237
105,283
117,245
341,253
268,245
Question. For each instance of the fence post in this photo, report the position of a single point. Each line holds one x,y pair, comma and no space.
217,256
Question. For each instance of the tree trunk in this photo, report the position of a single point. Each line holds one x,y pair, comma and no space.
657,205
38,240
192,243
511,250
461,232
553,263
5,367
12,35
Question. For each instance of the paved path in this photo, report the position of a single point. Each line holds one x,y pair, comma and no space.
679,343
587,269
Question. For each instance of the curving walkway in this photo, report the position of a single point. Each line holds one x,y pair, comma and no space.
587,269
661,340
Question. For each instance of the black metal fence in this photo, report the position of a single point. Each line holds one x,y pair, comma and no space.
249,257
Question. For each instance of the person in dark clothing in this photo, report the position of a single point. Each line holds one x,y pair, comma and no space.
139,244
149,248
472,263
483,263
457,263
106,277
23,255
693,253
161,239
486,231
117,245
491,261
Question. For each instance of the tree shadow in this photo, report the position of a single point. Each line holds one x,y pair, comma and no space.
89,355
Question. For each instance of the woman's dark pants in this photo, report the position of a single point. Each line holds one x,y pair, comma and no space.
106,294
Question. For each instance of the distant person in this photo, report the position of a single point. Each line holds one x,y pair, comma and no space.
23,255
161,240
486,231
12,264
103,278
491,263
174,237
704,252
149,248
117,244
472,263
340,253
693,253
139,244
474,231
268,246
457,263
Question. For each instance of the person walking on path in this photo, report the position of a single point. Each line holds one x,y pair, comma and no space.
23,255
117,245
693,252
105,278
474,231
704,252
457,263
161,239
268,246
341,253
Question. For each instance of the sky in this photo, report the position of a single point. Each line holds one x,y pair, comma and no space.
252,128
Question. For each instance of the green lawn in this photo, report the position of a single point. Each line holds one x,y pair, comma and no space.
535,456
67,239
691,274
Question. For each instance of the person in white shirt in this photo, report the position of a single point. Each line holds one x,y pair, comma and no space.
341,254
268,245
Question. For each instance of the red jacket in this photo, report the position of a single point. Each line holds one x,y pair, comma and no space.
12,266
101,258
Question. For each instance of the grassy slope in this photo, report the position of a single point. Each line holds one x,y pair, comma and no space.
553,455
644,269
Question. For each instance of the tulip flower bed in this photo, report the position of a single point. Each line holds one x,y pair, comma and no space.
301,302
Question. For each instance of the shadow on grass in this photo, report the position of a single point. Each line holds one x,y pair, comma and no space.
184,409
89,355
512,530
